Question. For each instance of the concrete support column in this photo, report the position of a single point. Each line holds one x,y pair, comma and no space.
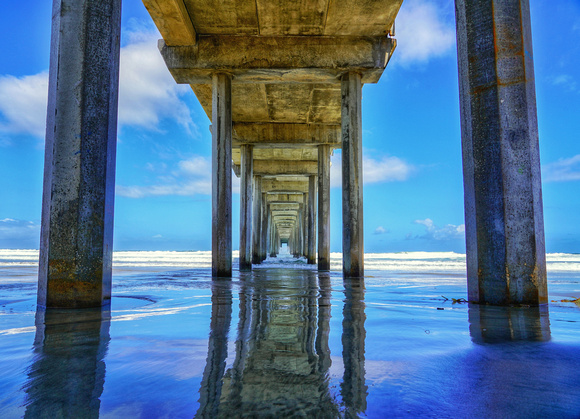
352,180
300,227
264,228
305,226
324,207
221,182
246,178
272,238
76,244
257,220
506,262
311,220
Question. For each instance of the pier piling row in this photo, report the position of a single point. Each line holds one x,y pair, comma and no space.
281,82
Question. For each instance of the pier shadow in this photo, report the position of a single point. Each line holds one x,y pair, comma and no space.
67,375
282,356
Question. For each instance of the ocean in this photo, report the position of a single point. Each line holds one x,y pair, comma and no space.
288,341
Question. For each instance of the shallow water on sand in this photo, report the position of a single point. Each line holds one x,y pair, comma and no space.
281,342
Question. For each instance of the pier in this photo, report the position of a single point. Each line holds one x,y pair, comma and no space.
281,82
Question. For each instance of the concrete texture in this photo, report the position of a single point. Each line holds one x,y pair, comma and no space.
312,220
503,197
323,207
79,173
352,177
222,176
246,192
257,220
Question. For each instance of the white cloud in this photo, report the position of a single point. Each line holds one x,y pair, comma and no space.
19,234
23,104
385,169
192,177
423,32
380,230
147,92
433,232
563,170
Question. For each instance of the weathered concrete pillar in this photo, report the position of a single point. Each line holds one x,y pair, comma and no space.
311,220
264,228
246,178
305,226
506,262
300,227
272,238
257,219
352,177
76,244
221,182
324,207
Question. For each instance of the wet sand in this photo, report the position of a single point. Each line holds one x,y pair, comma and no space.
287,341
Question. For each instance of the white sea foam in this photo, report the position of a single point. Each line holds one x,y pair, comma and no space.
397,262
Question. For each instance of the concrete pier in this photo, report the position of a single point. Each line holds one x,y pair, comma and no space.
76,242
352,180
312,220
221,265
503,199
323,207
246,191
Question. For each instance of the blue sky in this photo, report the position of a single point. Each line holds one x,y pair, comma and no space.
413,175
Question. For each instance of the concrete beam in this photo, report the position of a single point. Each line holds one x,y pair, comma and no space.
173,21
221,182
281,134
504,222
278,59
285,206
282,198
285,167
285,187
76,245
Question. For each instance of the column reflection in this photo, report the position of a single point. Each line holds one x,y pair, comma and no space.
353,388
282,356
492,324
217,352
67,374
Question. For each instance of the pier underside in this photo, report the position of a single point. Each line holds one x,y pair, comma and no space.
281,82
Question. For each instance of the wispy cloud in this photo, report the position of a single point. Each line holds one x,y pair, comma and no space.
383,169
424,30
147,92
192,177
19,234
564,80
433,232
380,230
563,170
